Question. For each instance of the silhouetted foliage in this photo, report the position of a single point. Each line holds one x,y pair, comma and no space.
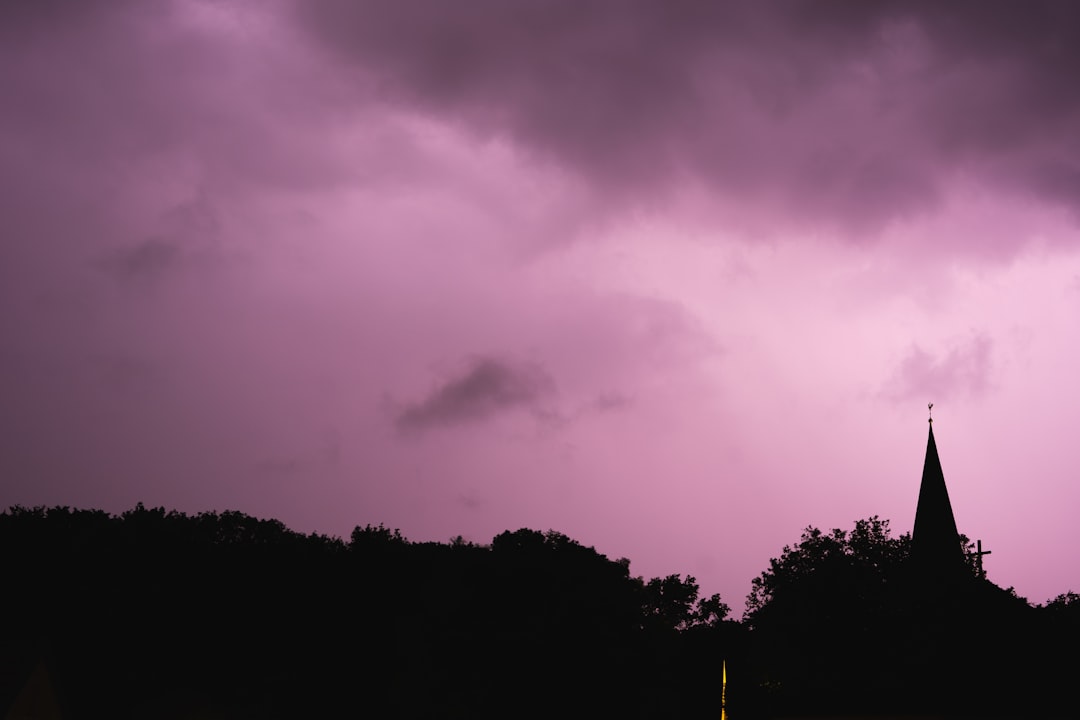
374,536
1066,603
672,603
155,613
161,614
844,622
819,608
826,573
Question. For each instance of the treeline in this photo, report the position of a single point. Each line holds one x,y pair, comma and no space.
161,614
850,623
221,615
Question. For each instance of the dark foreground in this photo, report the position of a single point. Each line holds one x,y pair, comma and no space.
162,615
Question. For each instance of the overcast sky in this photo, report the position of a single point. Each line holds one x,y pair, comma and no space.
677,279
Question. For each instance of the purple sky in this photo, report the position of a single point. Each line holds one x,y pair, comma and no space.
676,279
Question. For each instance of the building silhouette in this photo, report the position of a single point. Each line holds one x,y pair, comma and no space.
936,551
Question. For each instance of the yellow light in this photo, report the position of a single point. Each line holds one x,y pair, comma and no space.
723,690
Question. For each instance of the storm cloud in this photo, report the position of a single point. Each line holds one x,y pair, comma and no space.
832,114
484,387
694,244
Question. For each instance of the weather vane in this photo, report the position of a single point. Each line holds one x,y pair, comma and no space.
930,410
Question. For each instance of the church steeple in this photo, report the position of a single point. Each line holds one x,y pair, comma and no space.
935,543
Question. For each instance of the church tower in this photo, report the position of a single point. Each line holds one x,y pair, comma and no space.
935,543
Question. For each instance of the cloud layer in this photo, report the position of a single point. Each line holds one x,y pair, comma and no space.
676,279
818,113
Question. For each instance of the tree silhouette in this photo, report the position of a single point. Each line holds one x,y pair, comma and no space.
154,613
828,573
821,615
845,622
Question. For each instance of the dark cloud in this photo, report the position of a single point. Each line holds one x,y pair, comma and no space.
611,402
470,501
826,113
486,386
963,370
308,462
847,114
191,231
151,258
197,217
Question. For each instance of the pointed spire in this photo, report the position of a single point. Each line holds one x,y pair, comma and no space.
935,541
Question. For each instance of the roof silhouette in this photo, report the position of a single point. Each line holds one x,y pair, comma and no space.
935,542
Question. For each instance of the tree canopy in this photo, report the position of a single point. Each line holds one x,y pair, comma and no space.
158,613
826,572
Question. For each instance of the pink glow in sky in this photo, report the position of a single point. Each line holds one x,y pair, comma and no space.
675,279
